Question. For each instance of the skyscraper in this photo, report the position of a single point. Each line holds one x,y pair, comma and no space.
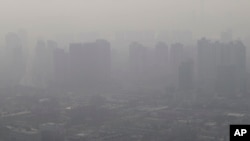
90,64
138,63
161,63
186,75
42,69
206,65
231,72
15,60
176,58
61,68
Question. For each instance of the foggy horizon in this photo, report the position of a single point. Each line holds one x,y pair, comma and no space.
52,18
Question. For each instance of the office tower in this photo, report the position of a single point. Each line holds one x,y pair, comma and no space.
137,59
51,46
161,63
90,64
231,72
103,55
138,63
176,58
78,61
61,68
206,65
240,62
121,49
186,75
23,36
42,73
15,61
101,64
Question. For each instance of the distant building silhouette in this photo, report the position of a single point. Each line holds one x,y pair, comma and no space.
138,58
161,63
231,75
176,58
61,68
186,75
222,67
42,66
15,59
206,65
138,62
90,64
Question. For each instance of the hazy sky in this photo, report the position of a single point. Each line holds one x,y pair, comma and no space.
57,16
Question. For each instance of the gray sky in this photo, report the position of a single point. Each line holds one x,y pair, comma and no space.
57,16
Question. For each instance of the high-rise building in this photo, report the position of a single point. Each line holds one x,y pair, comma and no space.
15,59
221,67
138,63
206,65
137,59
78,61
90,64
61,68
176,58
42,66
161,63
231,72
186,75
